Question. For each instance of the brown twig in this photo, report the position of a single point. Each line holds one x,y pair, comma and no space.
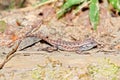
10,55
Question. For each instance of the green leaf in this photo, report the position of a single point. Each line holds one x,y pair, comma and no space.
115,4
43,1
94,13
67,5
80,6
3,26
40,2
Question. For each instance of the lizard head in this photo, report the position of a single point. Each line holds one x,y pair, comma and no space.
88,44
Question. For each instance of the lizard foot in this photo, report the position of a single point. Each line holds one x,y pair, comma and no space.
78,52
50,49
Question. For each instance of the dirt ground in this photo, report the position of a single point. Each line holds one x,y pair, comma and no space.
71,27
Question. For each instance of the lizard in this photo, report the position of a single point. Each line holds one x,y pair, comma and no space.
70,46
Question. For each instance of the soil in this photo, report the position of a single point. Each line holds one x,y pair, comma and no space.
70,28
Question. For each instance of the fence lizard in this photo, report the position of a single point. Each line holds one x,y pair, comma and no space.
75,46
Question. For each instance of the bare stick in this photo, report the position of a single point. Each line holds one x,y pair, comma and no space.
10,55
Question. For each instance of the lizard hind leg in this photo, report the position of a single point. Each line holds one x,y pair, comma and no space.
50,49
78,51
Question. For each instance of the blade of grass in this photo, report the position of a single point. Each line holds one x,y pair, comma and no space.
67,5
44,2
94,13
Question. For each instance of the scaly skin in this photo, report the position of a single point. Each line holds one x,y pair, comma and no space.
76,46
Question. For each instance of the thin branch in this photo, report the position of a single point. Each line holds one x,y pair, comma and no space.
10,55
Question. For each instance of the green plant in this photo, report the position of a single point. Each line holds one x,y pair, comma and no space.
15,4
3,26
104,70
115,4
67,5
93,9
94,13
54,70
12,4
43,1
